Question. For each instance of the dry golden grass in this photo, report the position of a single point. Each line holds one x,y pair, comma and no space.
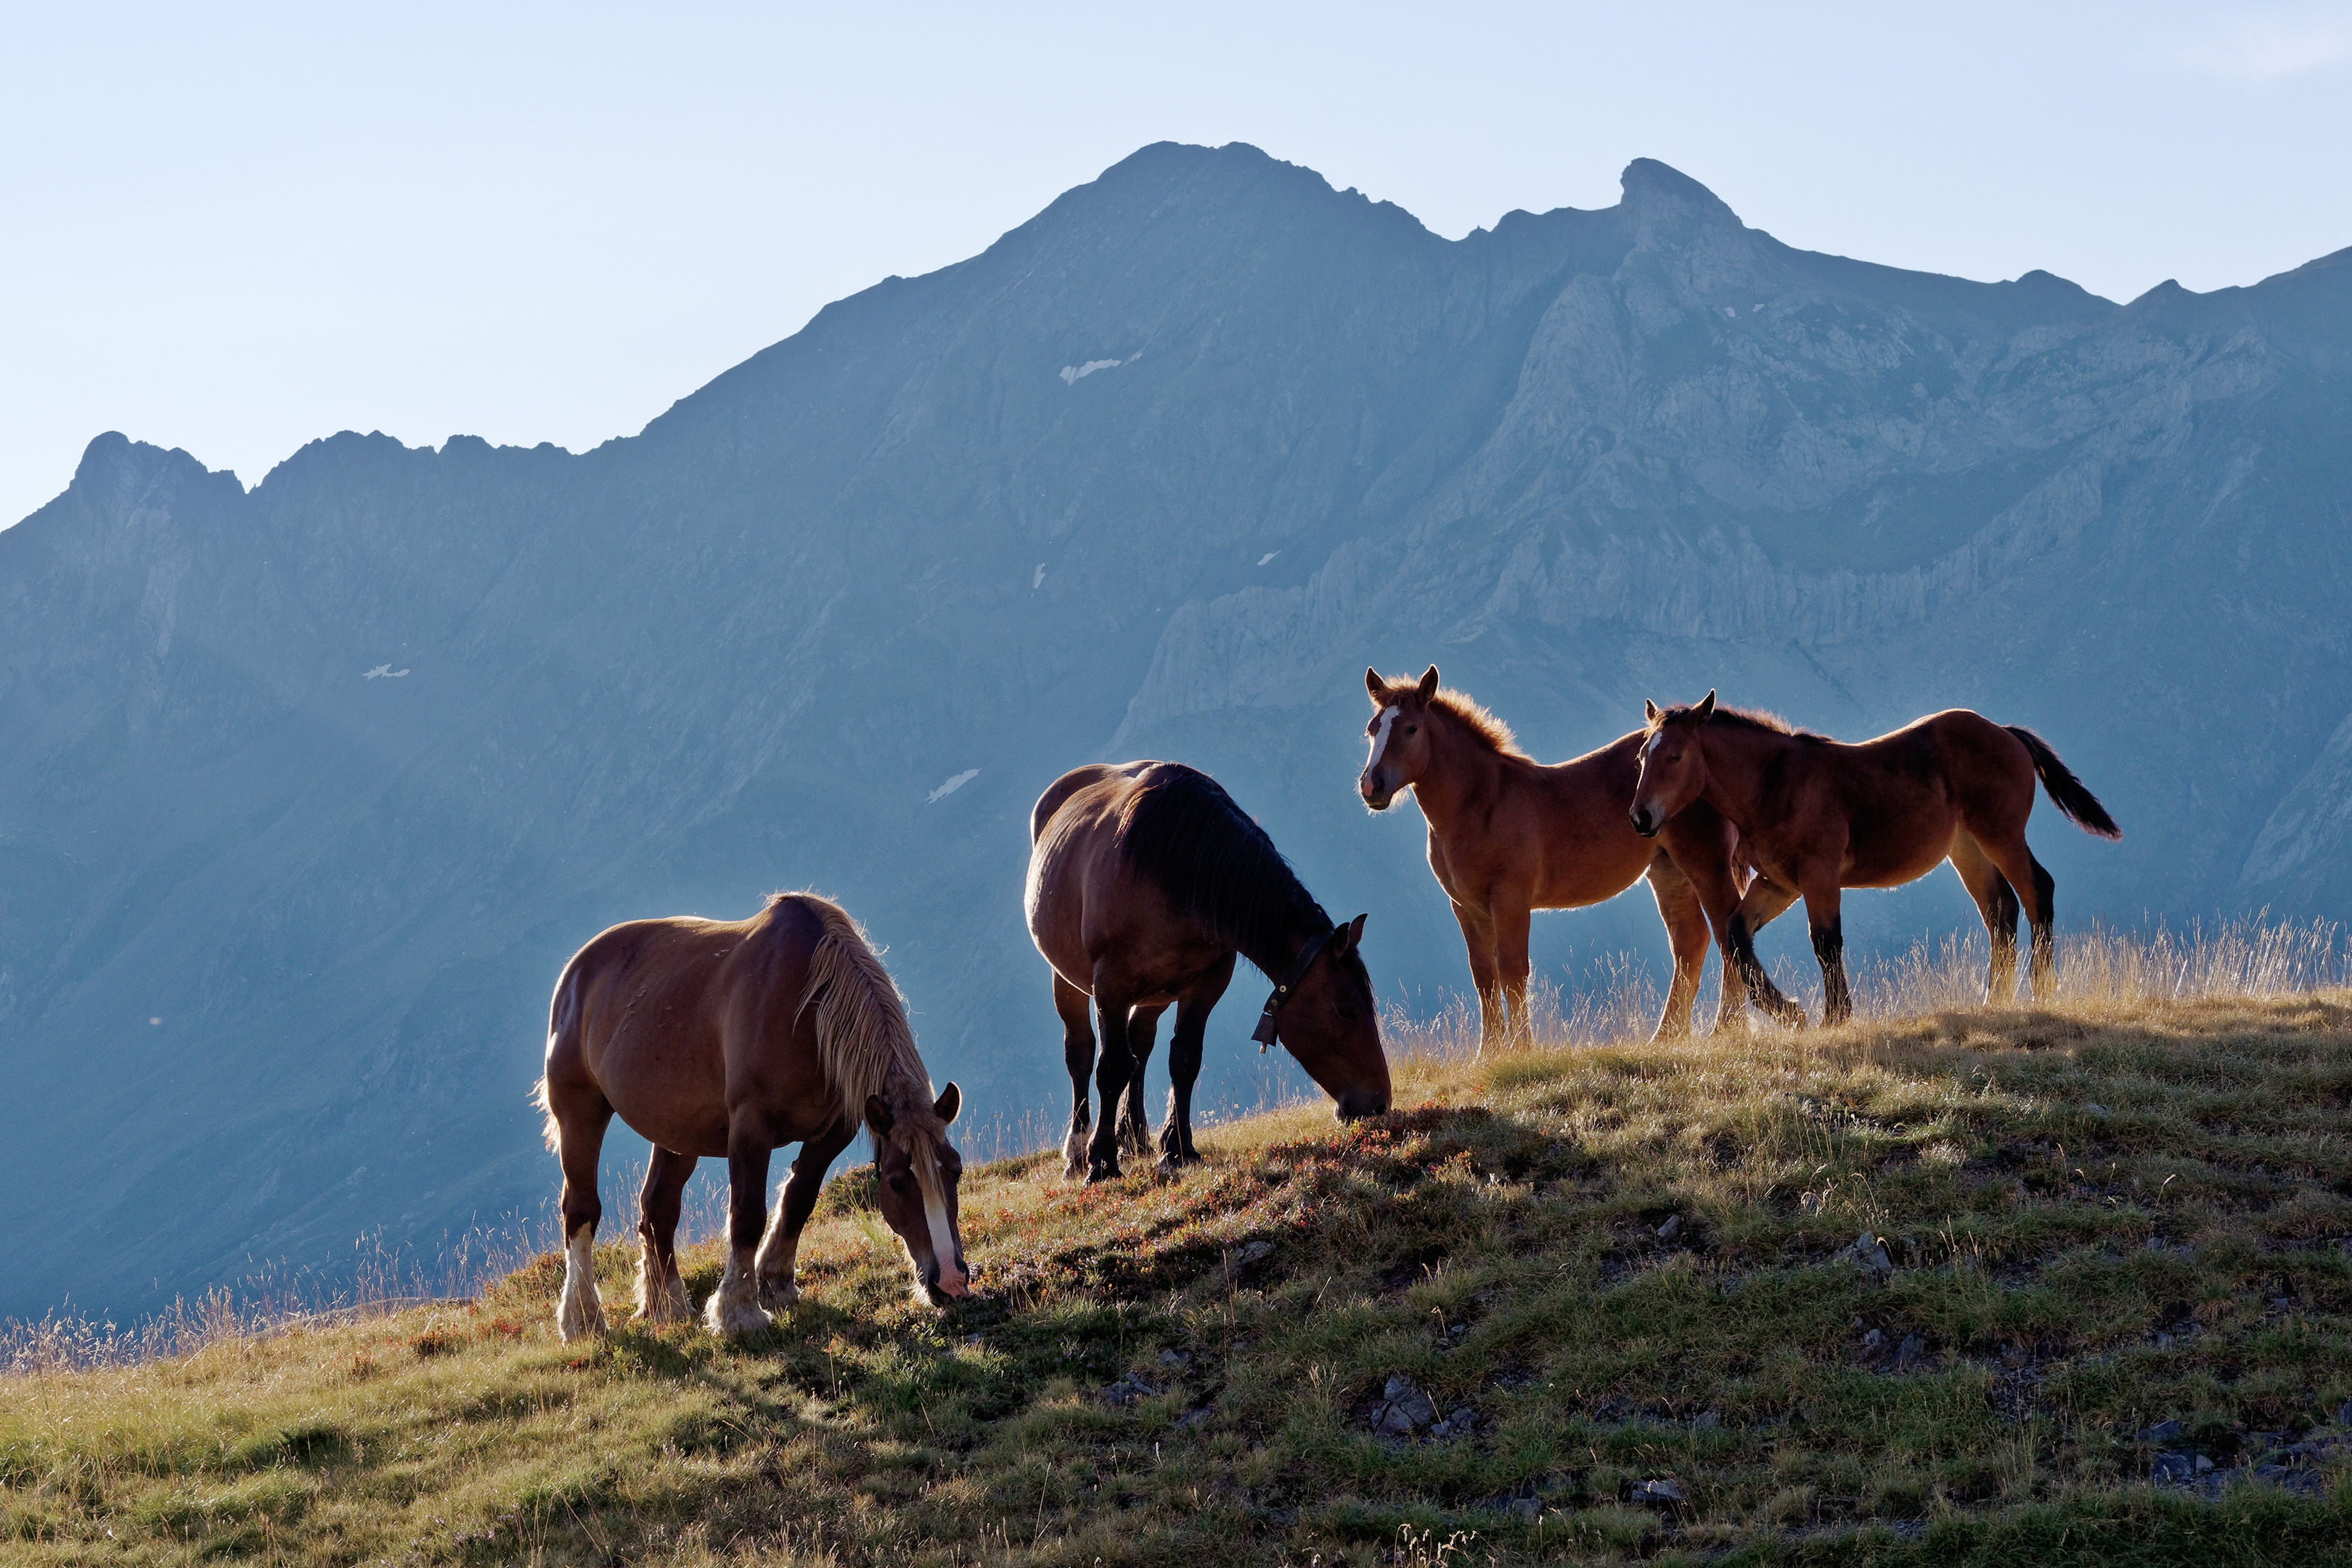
2127,1207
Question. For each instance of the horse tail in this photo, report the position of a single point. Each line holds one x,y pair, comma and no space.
862,1033
563,1013
2066,792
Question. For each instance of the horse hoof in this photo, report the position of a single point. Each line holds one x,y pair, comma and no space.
1102,1171
1173,1161
778,1295
738,1318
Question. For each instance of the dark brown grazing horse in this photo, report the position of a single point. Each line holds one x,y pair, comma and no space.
1508,834
735,1037
1145,879
1815,816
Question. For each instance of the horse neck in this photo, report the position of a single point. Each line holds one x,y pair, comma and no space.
1463,773
1275,953
1735,761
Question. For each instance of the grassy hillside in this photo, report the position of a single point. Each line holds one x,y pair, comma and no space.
1614,1275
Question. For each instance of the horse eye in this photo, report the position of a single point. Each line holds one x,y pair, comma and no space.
1413,729
899,1186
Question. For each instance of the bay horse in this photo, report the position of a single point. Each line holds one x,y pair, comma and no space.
1508,834
1816,816
735,1037
1145,880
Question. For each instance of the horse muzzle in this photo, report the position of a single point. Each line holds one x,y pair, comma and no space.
1645,824
954,1284
1376,793
1357,1107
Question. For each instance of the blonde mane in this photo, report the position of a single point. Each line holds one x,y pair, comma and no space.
862,1033
1484,727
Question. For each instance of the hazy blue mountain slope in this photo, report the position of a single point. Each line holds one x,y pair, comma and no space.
330,777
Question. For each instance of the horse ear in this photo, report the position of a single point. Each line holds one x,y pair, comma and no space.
1375,685
1429,683
950,1100
879,1117
1356,930
1649,710
1707,706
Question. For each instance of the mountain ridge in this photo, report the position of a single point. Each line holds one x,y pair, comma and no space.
1581,458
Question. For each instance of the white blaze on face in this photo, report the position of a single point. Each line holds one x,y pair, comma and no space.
943,1249
1381,736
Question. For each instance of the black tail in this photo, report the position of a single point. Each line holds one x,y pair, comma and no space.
2066,791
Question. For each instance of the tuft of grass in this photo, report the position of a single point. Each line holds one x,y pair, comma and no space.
1629,1268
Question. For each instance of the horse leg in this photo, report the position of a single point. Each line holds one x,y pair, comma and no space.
1678,907
1192,1006
1078,1056
734,1307
1136,1122
1511,917
661,1294
1996,900
1478,937
1111,1082
581,1113
1706,853
1762,904
2036,888
1822,914
781,1244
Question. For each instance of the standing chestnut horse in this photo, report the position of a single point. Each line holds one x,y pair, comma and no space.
1145,879
1508,834
1815,816
734,1037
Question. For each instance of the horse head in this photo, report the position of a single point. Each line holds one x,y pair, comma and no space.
1674,768
919,1170
1331,1026
1398,734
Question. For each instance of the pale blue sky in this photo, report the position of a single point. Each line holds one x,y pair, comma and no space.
234,228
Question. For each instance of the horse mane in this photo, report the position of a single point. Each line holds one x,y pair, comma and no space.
1484,727
1738,719
1181,832
863,1036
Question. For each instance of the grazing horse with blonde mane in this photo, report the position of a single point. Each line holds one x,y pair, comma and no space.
1816,816
1508,834
735,1037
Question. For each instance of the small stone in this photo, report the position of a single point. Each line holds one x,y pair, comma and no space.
1407,1408
2096,1110
2172,1467
1256,1251
2162,1431
1174,1358
1672,1229
1461,1420
1869,1255
1913,1346
1660,1491
2203,1464
1706,1421
2344,1413
1874,1341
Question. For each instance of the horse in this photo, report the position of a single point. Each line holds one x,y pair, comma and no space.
1508,834
735,1037
1145,880
1816,816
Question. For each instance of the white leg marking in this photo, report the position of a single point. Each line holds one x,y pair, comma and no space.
661,1297
579,1310
735,1307
778,1288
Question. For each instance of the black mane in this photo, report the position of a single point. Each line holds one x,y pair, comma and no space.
1184,834
1738,719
